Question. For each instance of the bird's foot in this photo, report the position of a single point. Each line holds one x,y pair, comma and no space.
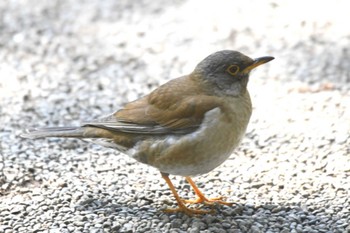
189,211
209,201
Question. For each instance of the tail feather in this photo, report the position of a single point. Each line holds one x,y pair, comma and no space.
73,132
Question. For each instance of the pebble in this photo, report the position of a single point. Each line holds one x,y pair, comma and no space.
176,223
226,225
17,209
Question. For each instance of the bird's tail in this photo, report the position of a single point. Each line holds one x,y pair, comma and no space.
70,132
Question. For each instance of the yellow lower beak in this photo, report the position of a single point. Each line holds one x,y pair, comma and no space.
257,62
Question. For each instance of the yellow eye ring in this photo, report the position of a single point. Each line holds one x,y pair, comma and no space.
233,70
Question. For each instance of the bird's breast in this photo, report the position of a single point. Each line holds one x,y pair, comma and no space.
203,150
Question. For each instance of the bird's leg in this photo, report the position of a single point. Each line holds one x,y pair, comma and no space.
201,198
182,207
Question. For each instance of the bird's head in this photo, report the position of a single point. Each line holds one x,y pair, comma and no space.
227,71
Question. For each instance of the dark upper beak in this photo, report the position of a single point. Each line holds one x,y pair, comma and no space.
257,62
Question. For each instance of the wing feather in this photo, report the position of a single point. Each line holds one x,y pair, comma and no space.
163,112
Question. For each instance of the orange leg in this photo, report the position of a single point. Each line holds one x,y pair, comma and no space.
182,207
202,199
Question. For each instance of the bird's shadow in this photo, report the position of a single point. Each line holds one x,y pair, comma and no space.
241,216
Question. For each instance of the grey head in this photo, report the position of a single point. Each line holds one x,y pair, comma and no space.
227,71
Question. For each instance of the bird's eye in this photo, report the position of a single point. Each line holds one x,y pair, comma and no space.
233,69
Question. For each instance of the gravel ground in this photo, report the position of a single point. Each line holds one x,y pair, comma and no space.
65,61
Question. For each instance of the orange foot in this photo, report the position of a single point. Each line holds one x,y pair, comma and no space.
200,199
189,211
209,201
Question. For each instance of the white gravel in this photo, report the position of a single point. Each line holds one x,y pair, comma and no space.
66,61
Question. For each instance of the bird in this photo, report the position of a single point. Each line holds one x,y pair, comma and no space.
185,127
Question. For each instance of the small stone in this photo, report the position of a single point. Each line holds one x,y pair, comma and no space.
270,206
216,230
17,209
254,229
95,230
194,230
36,227
226,225
66,210
107,224
127,228
176,223
79,223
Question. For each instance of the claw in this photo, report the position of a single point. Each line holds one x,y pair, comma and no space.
200,199
209,201
188,211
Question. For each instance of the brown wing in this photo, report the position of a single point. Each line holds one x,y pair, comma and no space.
163,110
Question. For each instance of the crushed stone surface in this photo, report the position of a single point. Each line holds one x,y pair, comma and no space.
63,62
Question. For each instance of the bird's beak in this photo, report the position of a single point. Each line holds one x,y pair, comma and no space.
257,62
